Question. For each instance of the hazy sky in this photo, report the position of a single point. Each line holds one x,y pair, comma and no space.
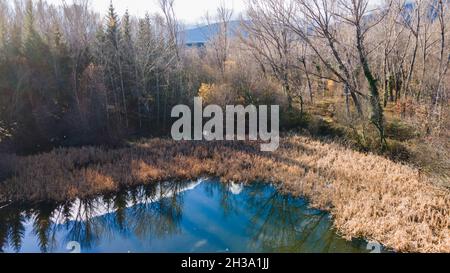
188,11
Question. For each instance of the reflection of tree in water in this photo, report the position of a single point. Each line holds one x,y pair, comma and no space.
83,226
278,223
42,217
227,201
282,223
157,217
138,212
12,226
120,201
12,229
43,226
141,211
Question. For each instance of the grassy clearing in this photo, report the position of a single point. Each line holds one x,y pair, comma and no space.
368,195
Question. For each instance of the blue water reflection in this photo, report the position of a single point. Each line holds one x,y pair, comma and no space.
201,216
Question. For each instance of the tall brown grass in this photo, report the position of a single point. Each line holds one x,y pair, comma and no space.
367,195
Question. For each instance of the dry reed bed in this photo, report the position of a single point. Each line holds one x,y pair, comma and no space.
368,196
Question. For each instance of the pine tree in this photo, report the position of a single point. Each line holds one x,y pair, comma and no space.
144,62
32,40
34,48
114,64
62,68
129,66
127,53
128,41
113,27
38,109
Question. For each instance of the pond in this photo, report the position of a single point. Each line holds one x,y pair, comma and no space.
201,216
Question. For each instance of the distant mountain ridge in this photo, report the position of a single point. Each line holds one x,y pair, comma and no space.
202,34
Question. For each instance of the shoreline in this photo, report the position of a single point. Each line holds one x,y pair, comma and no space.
91,211
367,196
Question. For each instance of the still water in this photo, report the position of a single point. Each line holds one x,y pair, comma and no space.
201,216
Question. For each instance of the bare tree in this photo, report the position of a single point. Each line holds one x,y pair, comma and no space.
271,41
356,13
172,25
218,31
316,23
79,25
443,62
413,24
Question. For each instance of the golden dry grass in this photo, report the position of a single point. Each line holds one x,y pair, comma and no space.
368,196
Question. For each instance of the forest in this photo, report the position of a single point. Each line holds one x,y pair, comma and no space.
70,77
363,91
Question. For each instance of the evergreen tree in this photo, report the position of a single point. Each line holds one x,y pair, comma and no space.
128,41
145,64
33,42
39,111
113,65
62,69
113,27
129,68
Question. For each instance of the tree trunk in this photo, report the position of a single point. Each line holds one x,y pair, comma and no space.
377,111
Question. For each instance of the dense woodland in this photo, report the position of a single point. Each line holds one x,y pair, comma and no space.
370,75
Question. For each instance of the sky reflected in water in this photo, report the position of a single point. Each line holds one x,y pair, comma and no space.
202,216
